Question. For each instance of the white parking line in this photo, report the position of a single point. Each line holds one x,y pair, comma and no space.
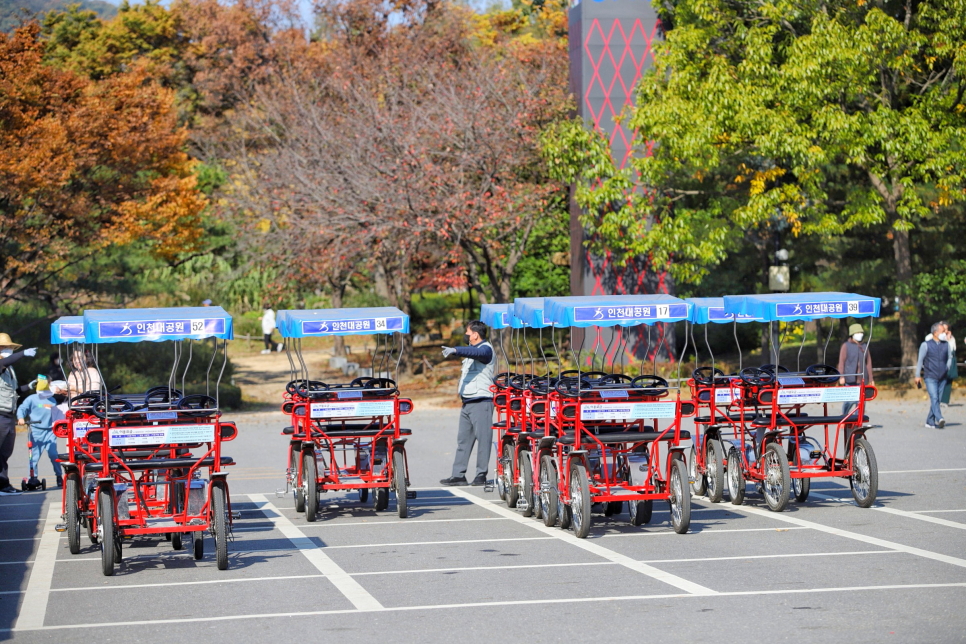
33,610
901,513
942,469
348,586
933,511
892,545
513,603
185,583
706,531
434,543
600,551
328,524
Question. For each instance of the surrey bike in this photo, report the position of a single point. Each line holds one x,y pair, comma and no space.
159,467
786,400
346,436
614,438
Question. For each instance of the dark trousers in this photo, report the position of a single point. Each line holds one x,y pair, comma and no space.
476,426
268,342
8,436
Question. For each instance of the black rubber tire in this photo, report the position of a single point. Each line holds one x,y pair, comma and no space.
714,478
512,491
698,484
640,511
310,474
399,474
72,513
43,484
613,508
92,531
198,544
105,519
865,481
363,494
800,488
177,502
680,500
525,468
776,492
736,478
219,524
297,491
580,503
177,541
381,499
548,490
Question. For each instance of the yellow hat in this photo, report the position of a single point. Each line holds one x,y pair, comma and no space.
7,343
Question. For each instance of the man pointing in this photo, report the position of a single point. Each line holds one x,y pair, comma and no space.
476,417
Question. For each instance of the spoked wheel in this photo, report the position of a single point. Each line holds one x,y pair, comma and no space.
777,483
580,500
548,490
526,482
310,481
698,485
298,491
106,530
800,488
72,514
219,524
198,544
736,478
714,463
865,477
680,497
509,480
640,511
399,474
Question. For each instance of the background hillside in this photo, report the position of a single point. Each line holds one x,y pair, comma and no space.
13,12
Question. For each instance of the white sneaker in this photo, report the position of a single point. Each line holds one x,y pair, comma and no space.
928,426
266,351
941,424
943,405
280,347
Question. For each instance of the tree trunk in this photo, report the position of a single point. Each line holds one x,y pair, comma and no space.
905,303
379,281
338,346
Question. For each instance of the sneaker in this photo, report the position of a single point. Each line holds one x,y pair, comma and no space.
928,426
265,352
60,481
9,491
941,424
454,480
479,480
279,347
944,405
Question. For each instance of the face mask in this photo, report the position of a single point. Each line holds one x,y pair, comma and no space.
466,338
45,393
942,337
6,353
858,337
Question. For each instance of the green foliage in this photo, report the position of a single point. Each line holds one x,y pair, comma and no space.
937,289
536,275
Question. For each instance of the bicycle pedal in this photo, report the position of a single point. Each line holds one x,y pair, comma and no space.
236,516
523,503
489,486
60,527
410,495
279,493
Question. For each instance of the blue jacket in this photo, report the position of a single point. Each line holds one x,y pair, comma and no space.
38,408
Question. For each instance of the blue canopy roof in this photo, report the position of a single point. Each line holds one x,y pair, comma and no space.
532,311
156,325
615,310
500,316
711,309
67,329
786,307
299,323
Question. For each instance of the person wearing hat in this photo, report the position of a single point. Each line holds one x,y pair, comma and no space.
855,363
10,391
41,409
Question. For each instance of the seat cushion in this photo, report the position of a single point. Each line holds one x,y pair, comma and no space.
805,421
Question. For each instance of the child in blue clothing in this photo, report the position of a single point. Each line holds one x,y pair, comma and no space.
41,409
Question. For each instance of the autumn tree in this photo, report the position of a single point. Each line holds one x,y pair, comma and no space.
85,168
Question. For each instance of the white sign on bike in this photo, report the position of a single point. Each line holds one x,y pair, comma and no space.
81,427
628,411
351,409
161,435
807,395
724,396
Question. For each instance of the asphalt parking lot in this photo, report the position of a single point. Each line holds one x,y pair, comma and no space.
463,567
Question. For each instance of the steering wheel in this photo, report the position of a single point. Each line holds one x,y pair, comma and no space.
707,376
197,405
103,406
541,385
293,386
85,399
776,369
756,377
161,395
572,387
651,384
823,373
361,381
615,379
381,383
306,388
520,380
502,379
